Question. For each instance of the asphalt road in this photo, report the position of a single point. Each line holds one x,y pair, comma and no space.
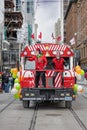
49,116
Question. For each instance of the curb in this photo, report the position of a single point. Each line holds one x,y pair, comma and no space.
85,83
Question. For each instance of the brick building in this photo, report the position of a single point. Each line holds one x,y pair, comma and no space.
76,23
71,21
82,31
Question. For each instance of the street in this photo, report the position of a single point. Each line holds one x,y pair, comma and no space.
51,116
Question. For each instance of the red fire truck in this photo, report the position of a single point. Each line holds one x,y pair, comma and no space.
62,90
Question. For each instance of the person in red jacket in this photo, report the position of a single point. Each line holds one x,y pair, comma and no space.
86,75
41,63
58,64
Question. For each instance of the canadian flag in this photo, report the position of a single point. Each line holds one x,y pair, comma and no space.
58,38
72,41
32,36
40,35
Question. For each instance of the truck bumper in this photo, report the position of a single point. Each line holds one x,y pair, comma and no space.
47,94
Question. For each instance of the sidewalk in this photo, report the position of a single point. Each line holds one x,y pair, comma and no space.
84,81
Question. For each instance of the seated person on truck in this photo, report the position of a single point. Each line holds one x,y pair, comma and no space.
58,64
41,62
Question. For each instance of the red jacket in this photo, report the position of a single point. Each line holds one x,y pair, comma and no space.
58,63
41,62
86,75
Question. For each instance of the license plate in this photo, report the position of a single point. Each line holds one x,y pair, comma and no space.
68,98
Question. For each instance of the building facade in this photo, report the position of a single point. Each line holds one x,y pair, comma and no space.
27,9
65,7
82,31
12,22
76,26
57,29
71,21
1,30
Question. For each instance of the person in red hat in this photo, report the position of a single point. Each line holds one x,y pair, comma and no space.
58,64
41,63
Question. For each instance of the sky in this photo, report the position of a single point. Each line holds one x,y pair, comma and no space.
47,13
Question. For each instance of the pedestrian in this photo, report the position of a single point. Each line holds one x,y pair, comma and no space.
3,79
58,63
6,83
10,82
1,82
41,62
86,75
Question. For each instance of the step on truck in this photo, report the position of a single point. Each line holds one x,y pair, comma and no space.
62,89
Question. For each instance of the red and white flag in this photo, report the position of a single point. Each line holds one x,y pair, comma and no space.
32,36
58,38
72,41
40,35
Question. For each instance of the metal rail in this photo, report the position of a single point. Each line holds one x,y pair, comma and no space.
7,106
34,117
78,119
33,120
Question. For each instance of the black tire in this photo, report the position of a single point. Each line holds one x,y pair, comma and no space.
26,103
68,104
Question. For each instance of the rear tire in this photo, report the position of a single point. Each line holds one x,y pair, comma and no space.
26,103
68,104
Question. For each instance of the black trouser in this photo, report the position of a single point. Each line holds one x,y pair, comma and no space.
37,78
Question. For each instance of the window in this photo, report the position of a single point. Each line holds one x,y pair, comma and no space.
18,4
12,56
28,8
5,56
29,64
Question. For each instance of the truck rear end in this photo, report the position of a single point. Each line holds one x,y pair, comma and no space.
60,89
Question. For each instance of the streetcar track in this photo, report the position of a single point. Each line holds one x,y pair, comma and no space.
7,106
33,120
78,119
34,117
